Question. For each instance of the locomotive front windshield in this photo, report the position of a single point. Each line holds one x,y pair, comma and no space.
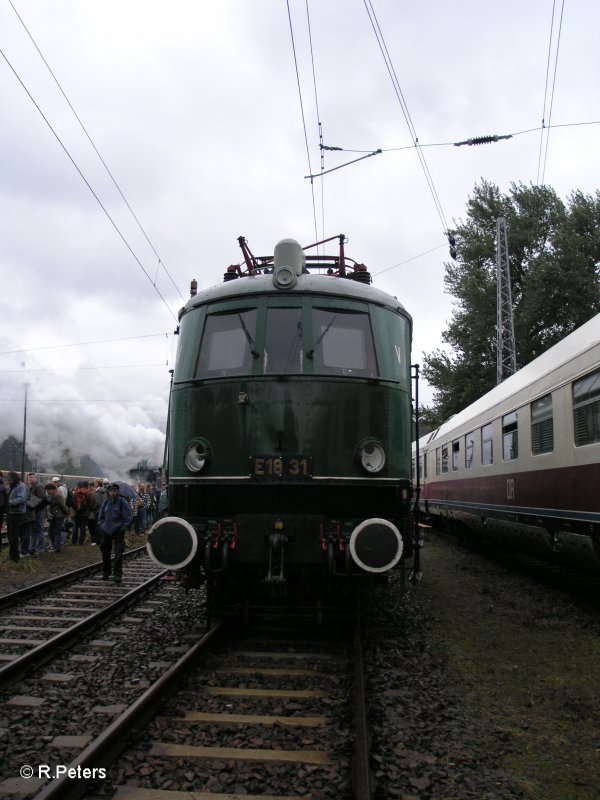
227,344
306,337
343,343
283,352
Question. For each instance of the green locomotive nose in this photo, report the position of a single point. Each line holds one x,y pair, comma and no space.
289,430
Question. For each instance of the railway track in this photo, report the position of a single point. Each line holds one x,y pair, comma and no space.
43,620
171,711
67,578
236,717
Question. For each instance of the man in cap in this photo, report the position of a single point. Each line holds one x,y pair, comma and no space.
60,486
113,520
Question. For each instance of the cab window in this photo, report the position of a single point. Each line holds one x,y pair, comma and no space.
228,344
342,343
283,341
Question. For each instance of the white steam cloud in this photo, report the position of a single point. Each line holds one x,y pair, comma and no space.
115,432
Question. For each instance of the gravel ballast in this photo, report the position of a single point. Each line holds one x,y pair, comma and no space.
482,684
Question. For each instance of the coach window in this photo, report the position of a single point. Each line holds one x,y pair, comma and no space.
342,343
455,454
469,449
438,460
542,426
227,346
487,445
444,458
510,437
586,409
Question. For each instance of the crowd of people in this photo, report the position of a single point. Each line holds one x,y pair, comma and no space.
46,518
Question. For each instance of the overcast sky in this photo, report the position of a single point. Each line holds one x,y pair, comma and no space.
194,107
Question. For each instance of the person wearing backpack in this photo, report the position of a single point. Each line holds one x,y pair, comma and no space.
114,519
81,507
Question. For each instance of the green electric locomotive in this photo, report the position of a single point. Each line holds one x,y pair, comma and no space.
289,437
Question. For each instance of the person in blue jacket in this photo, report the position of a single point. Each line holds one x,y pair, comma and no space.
17,511
114,519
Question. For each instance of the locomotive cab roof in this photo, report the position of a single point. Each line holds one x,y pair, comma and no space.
290,270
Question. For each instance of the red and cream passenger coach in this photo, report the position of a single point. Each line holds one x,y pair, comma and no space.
521,465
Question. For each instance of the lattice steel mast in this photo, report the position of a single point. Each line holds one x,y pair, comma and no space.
506,361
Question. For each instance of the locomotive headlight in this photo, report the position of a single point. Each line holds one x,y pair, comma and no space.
197,455
284,278
371,456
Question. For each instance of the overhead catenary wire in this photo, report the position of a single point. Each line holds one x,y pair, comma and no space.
314,74
303,115
537,180
552,92
474,140
104,164
24,370
404,107
87,183
412,258
63,402
81,344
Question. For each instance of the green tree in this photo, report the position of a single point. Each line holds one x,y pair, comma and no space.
554,255
11,455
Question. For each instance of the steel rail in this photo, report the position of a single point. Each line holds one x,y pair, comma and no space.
27,592
100,753
39,655
362,779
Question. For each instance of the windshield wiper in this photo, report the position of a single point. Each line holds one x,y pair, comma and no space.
311,352
249,337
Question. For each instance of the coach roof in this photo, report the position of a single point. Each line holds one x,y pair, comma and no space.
575,344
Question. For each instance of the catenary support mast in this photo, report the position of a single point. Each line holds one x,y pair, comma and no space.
506,361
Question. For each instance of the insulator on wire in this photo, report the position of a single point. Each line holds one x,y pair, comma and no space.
483,140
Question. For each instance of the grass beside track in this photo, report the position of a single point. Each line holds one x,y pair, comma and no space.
527,659
34,569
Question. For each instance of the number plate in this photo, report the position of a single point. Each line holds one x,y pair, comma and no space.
281,467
